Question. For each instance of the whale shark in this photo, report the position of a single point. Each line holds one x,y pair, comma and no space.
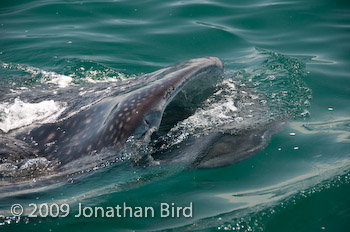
136,113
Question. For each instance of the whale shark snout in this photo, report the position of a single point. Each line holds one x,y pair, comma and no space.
110,122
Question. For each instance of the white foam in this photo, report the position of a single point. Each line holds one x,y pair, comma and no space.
18,114
62,81
58,79
51,77
217,113
96,76
46,76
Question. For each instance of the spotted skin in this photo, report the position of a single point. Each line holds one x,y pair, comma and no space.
114,119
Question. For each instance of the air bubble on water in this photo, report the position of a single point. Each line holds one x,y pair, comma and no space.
305,113
271,78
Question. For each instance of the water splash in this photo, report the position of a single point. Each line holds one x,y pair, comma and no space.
18,114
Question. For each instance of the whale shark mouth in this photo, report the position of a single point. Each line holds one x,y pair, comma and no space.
191,98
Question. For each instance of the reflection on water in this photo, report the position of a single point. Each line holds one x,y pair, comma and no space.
340,127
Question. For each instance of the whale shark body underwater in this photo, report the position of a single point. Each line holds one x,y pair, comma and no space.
135,114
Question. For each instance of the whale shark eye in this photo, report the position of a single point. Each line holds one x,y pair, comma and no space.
141,130
153,118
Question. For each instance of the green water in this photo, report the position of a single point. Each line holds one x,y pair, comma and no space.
300,182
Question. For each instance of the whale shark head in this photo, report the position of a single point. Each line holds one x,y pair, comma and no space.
140,112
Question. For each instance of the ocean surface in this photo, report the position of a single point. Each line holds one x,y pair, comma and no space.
285,61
